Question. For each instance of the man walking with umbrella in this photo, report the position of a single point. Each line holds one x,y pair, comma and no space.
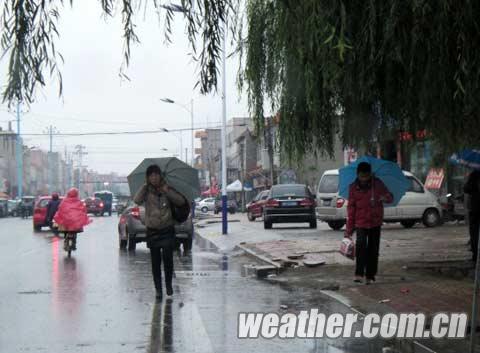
159,199
367,194
472,188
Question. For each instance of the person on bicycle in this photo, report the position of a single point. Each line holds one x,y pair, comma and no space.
71,216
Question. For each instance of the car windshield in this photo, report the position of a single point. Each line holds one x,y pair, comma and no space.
289,190
328,184
43,203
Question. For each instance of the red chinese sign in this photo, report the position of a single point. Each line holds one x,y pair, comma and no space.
435,179
408,136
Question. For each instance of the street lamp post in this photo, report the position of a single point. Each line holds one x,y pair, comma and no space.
180,140
189,110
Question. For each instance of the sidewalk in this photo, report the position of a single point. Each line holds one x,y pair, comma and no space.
421,269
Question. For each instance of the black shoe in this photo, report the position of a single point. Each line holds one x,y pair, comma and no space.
169,290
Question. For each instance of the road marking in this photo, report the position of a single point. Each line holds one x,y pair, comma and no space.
194,329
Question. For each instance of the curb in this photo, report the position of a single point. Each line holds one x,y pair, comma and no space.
261,271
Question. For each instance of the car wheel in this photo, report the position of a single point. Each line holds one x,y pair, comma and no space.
267,224
431,218
204,209
313,224
132,243
110,213
250,216
37,228
336,225
408,224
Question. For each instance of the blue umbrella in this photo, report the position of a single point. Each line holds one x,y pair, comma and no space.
388,172
468,157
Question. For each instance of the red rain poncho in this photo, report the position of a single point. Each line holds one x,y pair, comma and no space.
72,213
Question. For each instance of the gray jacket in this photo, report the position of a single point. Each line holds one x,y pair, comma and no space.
158,210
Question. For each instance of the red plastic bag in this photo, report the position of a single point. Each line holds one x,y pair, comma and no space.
72,213
347,248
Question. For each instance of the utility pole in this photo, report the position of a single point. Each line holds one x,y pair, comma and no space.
79,151
51,130
19,154
224,133
192,137
242,173
269,138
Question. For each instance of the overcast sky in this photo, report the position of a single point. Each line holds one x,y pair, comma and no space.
95,99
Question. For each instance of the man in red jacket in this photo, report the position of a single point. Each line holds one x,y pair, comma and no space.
365,215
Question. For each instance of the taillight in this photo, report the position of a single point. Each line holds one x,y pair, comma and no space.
101,204
135,212
123,220
272,203
340,202
307,203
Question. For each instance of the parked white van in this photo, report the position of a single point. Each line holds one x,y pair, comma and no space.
417,205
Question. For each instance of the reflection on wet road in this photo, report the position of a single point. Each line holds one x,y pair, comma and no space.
102,299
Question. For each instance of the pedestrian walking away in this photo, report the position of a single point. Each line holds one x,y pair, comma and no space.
472,188
160,201
367,195
52,208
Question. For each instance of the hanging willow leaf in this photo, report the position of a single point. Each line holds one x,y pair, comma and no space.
364,70
29,32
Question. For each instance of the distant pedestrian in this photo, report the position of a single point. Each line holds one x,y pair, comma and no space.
159,200
52,208
472,188
367,194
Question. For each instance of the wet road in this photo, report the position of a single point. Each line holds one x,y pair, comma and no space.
102,299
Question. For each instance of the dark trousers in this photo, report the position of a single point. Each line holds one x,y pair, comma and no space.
474,227
366,252
157,253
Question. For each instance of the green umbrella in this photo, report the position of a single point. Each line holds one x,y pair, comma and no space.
178,175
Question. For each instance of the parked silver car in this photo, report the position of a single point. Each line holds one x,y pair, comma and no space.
417,205
206,205
132,230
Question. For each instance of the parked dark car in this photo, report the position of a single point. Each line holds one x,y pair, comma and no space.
13,208
94,206
289,203
107,198
232,206
3,207
255,207
26,206
131,229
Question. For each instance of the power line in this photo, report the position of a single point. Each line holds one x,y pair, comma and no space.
139,132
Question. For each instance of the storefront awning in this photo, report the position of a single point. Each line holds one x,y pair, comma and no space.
236,186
